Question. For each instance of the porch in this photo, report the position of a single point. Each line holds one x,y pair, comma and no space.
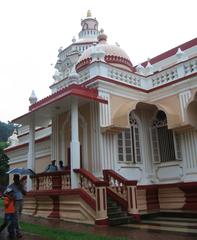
111,201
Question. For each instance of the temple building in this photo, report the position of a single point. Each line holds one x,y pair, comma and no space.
125,133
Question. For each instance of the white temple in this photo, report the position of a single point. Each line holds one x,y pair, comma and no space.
109,120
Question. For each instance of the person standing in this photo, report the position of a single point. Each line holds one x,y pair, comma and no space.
19,192
51,167
61,166
9,208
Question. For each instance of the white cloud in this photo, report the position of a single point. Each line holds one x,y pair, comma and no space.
33,30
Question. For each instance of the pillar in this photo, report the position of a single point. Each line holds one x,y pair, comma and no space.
74,145
31,151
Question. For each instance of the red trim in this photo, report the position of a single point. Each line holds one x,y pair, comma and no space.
168,185
107,173
73,89
98,199
171,52
90,201
108,59
190,197
131,198
56,207
104,222
152,200
104,200
26,144
117,198
91,177
119,60
137,217
173,82
136,197
84,63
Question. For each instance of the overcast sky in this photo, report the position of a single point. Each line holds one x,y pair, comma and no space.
33,30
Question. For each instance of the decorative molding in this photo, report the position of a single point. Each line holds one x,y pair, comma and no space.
184,99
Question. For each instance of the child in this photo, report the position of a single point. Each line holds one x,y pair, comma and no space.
9,218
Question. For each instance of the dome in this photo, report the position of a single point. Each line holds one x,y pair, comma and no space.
113,55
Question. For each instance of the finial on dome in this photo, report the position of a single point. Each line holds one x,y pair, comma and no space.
73,77
149,68
102,37
13,139
89,14
60,49
117,44
140,69
33,99
181,56
74,39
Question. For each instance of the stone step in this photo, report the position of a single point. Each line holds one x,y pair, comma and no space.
120,220
117,214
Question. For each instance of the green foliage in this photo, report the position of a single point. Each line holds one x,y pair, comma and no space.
6,130
3,158
60,234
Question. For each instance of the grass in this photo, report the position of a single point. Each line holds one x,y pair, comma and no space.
58,234
1,203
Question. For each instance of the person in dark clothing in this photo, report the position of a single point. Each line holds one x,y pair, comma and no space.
51,167
19,192
9,208
61,166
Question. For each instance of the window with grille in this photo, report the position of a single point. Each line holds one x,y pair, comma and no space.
129,143
165,142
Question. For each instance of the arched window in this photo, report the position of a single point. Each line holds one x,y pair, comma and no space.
129,143
165,142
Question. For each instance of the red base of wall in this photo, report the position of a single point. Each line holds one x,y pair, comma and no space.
103,222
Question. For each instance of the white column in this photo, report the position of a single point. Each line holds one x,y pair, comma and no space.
31,151
55,139
74,145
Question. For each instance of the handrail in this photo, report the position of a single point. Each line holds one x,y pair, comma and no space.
122,190
110,173
51,180
96,181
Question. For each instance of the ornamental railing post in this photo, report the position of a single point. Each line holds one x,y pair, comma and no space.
132,201
101,205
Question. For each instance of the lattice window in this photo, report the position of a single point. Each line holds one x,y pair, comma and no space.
165,143
129,143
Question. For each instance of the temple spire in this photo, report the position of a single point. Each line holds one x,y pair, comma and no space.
89,14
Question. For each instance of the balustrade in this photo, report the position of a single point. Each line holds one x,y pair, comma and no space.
51,181
190,66
124,76
123,188
96,190
164,77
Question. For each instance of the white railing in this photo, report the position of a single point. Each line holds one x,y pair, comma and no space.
159,78
124,76
84,76
173,73
164,77
190,66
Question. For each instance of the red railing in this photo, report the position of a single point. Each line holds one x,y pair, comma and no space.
51,180
95,194
122,190
88,182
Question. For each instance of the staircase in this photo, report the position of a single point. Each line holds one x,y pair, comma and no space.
116,215
174,222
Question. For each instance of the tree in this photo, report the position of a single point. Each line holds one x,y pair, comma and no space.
4,167
6,130
3,158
